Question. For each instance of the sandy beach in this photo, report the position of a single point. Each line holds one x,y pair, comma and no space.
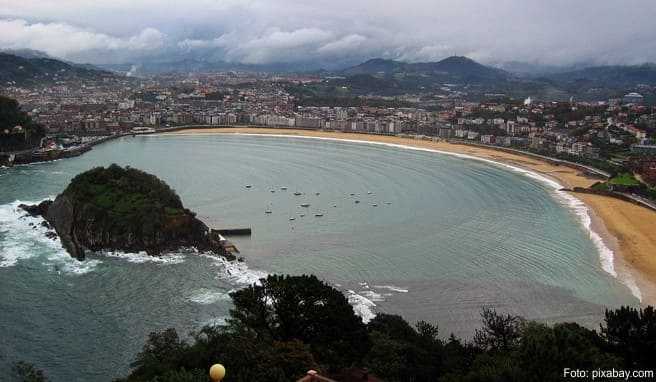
626,228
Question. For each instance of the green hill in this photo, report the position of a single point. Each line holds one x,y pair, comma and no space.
22,71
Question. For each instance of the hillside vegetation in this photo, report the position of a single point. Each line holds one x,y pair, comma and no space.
11,116
22,71
123,209
289,324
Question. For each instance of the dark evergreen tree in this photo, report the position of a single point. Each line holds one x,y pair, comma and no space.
631,333
303,308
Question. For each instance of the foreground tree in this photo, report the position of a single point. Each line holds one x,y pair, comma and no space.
544,352
286,308
287,325
277,331
631,334
11,115
26,372
400,351
499,332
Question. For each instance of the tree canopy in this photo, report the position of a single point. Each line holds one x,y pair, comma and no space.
287,325
11,116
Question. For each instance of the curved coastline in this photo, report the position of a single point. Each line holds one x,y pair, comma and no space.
639,278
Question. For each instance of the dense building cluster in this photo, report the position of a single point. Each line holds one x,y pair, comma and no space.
613,130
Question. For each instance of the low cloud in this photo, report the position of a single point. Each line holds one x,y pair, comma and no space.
64,40
335,31
275,45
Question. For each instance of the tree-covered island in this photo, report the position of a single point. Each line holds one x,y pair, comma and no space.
124,209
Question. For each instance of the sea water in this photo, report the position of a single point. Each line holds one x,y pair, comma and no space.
434,237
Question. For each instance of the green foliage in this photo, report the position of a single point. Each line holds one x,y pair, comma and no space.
624,179
10,116
122,189
304,308
159,355
182,375
26,372
30,71
287,325
499,332
631,334
600,186
566,345
246,357
121,201
398,350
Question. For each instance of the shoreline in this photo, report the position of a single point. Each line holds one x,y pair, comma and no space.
32,156
615,226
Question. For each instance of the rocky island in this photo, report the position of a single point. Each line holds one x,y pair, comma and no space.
124,209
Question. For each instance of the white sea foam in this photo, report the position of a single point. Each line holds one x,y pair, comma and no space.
143,257
606,255
362,306
24,237
209,296
374,296
216,321
236,272
392,288
364,301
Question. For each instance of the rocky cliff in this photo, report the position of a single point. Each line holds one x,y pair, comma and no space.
123,209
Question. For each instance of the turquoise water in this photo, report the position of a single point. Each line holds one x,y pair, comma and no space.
447,237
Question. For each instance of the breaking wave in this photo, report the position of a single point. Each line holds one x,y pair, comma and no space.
143,257
23,237
208,296
365,299
236,272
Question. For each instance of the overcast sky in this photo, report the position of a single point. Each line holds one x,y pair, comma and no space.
272,31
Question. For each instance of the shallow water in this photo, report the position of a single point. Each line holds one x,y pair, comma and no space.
447,237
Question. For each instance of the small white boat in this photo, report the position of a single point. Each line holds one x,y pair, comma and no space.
388,203
317,193
369,192
298,193
248,186
272,191
292,219
357,201
302,215
334,205
268,211
374,204
305,205
352,194
318,215
283,188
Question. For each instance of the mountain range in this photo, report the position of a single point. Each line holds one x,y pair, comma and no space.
463,69
390,77
375,76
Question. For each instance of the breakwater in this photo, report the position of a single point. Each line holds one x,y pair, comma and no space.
34,156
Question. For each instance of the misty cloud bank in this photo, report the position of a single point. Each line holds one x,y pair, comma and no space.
330,33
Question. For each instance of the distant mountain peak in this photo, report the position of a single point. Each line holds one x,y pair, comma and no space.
458,60
379,60
454,68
